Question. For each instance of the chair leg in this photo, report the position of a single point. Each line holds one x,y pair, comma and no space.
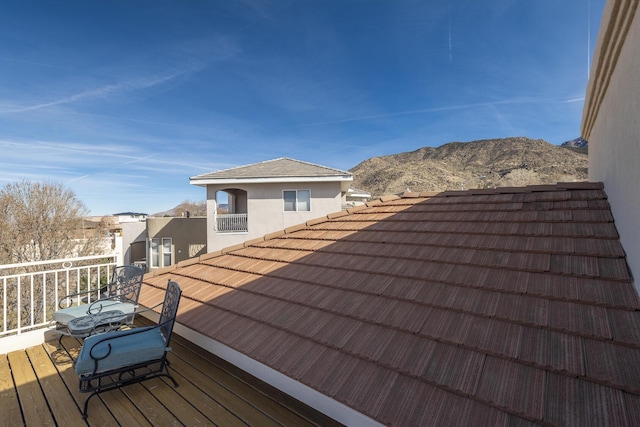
85,413
168,373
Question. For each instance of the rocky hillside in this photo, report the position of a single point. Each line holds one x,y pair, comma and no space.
194,209
477,164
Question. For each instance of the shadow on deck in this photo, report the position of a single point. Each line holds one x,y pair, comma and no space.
39,386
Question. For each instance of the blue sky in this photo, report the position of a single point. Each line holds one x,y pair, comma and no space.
122,101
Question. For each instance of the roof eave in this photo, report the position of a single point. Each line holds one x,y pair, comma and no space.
203,182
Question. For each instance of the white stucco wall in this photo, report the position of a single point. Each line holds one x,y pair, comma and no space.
265,209
132,232
612,122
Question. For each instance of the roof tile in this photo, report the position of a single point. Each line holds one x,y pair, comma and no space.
512,385
625,325
591,404
454,368
616,365
552,350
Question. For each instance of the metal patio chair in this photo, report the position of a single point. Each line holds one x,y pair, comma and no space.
118,358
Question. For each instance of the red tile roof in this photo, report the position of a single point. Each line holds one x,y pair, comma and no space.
478,307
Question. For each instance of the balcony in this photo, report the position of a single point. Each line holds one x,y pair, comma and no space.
38,385
231,223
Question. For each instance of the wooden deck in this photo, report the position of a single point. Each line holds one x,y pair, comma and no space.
38,387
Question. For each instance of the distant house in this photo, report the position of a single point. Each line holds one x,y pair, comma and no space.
268,196
130,217
174,239
357,197
158,242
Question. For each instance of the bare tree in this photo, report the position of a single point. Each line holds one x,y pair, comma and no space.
520,178
41,221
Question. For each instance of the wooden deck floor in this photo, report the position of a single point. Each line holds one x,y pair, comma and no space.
38,387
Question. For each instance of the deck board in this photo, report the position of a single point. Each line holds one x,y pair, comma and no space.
29,393
40,387
61,402
9,405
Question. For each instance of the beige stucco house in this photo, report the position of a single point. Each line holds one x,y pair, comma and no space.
268,196
611,121
174,239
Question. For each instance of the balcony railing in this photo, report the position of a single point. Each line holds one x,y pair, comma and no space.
30,291
231,223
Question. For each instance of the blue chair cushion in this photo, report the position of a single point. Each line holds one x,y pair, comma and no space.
127,349
65,315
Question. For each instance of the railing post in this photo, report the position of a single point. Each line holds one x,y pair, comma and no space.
230,223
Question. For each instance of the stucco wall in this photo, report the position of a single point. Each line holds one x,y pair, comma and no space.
188,236
611,122
132,232
265,209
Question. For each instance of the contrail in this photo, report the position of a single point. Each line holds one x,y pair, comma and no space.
450,44
100,92
440,109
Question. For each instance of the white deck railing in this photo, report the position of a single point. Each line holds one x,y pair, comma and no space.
30,291
231,223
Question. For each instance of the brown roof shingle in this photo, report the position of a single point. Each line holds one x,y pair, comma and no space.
511,305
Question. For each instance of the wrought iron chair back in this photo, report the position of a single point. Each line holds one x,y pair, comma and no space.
169,310
125,283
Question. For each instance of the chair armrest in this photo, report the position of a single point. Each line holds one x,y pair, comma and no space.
147,309
110,323
119,334
98,303
61,300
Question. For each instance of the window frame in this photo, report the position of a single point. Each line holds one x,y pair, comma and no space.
154,252
296,202
159,251
168,252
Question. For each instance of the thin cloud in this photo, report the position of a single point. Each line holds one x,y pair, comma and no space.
440,109
77,179
40,64
100,92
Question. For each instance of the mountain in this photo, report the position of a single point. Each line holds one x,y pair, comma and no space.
486,163
194,209
577,143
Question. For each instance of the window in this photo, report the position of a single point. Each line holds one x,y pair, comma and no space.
155,253
164,251
297,200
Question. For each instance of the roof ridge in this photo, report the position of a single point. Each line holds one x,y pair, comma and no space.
559,186
314,164
264,162
496,248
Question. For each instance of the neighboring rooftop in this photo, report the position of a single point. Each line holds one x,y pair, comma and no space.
272,170
484,307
